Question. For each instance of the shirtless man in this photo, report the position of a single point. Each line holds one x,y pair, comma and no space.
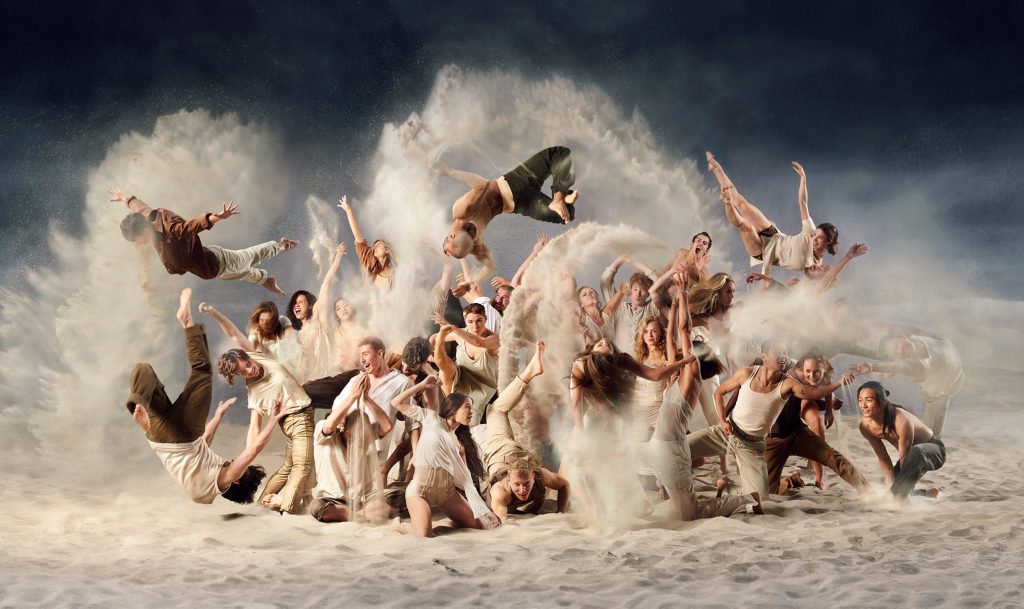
516,192
920,451
931,361
177,243
518,482
179,433
763,391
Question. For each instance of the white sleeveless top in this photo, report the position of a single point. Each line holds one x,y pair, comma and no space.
755,412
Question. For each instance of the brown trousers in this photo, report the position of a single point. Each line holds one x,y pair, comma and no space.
184,419
805,443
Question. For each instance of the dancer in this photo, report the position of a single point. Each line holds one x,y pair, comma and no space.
179,433
792,436
265,380
626,318
378,261
517,481
920,451
762,239
347,335
931,361
518,192
654,347
343,448
596,318
668,451
763,391
181,251
441,466
474,371
310,318
269,334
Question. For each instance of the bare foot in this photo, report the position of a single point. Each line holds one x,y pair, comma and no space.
820,483
757,503
570,199
536,365
558,206
184,314
720,486
288,244
271,284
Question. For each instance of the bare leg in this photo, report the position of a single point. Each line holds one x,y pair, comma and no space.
457,508
184,314
419,514
812,417
742,214
536,365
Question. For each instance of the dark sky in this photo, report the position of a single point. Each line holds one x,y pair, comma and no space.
917,96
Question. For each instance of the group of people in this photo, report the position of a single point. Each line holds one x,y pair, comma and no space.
428,427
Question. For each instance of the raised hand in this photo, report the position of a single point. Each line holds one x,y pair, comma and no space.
798,168
857,249
224,406
499,281
206,309
117,195
460,290
861,368
343,203
440,167
431,381
341,250
542,240
228,209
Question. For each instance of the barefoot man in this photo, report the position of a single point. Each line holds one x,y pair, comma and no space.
518,482
516,192
179,433
177,243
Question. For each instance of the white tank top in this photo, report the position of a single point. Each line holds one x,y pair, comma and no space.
755,412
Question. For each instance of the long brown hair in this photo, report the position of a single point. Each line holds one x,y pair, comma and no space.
276,329
704,295
606,374
452,403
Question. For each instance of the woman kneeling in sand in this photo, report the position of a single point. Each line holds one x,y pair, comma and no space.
444,457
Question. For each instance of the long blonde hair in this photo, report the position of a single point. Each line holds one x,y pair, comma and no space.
640,347
704,295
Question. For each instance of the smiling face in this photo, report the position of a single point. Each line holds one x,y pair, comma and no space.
811,372
867,402
521,485
247,369
476,323
819,242
369,357
343,310
301,309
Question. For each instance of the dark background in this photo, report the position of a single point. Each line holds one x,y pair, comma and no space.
888,99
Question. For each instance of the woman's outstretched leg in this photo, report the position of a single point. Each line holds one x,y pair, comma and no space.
741,213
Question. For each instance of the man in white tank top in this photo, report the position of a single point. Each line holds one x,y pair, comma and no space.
763,391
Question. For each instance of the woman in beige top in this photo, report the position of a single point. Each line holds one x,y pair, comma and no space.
377,260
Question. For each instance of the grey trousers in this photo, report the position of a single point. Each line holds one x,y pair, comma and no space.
244,264
922,458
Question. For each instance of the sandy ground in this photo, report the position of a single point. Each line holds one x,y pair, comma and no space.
147,546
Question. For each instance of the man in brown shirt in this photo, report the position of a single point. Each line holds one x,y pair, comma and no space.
181,251
516,192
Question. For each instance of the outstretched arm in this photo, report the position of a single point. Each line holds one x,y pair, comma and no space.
320,309
884,461
807,392
517,279
133,203
357,233
237,467
829,279
214,423
805,214
490,342
229,328
471,179
608,278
